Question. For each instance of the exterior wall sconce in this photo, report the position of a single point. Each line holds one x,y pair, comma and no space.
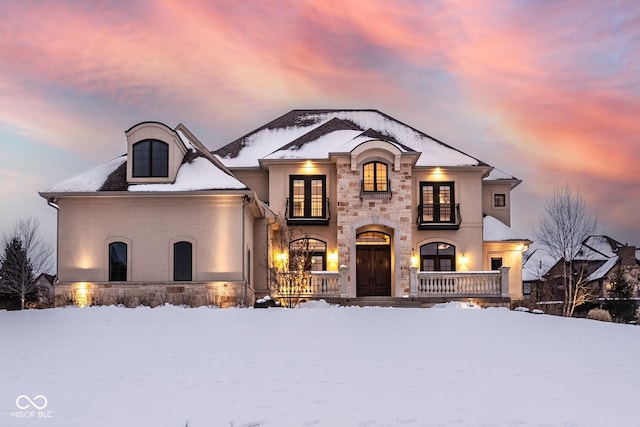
415,261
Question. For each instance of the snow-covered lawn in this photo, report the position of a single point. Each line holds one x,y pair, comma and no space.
108,366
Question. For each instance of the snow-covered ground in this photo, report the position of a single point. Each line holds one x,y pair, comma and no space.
318,366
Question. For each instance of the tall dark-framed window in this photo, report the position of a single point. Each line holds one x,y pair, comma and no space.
438,202
375,177
117,262
312,253
182,261
307,196
150,159
438,256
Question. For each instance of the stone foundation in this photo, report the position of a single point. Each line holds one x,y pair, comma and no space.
218,294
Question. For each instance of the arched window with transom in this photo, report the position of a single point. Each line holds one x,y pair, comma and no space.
309,253
438,256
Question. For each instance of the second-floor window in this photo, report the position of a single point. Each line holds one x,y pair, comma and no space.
150,159
438,202
375,177
307,196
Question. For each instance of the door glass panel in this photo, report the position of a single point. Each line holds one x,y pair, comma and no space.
316,197
427,200
369,177
298,198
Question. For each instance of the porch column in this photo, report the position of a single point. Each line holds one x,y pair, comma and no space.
413,281
344,287
504,281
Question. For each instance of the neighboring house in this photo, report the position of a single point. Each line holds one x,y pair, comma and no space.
379,208
44,289
598,260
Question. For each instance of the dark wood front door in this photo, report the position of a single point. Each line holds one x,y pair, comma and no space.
373,270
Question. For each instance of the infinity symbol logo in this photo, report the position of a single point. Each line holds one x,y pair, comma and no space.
21,399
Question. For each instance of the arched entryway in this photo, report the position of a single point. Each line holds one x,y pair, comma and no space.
373,264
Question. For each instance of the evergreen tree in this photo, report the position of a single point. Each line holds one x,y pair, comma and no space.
16,272
619,303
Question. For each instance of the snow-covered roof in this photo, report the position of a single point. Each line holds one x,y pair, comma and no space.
313,134
495,230
200,174
200,171
602,271
89,181
536,262
597,247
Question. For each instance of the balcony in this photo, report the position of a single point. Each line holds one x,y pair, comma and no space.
439,216
308,211
368,190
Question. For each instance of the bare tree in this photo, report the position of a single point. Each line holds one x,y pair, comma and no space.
293,268
565,225
26,255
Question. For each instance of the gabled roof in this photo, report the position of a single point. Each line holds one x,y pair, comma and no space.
199,171
599,247
314,134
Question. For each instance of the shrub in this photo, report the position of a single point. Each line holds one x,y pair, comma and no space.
599,314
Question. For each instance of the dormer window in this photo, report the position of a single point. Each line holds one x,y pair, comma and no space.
150,159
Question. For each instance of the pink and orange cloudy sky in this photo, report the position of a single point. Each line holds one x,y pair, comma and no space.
548,91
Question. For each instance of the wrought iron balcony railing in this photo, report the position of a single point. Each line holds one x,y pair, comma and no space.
375,190
439,216
308,211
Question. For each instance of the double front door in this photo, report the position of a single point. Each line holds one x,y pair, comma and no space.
373,270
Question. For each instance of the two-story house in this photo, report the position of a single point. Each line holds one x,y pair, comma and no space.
381,209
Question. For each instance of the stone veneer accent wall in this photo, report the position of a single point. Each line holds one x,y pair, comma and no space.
396,213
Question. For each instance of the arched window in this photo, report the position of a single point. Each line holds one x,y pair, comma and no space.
438,256
117,262
310,254
151,159
375,177
182,261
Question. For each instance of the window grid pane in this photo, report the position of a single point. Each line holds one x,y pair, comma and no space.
381,177
141,159
159,159
298,198
316,198
369,177
427,199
